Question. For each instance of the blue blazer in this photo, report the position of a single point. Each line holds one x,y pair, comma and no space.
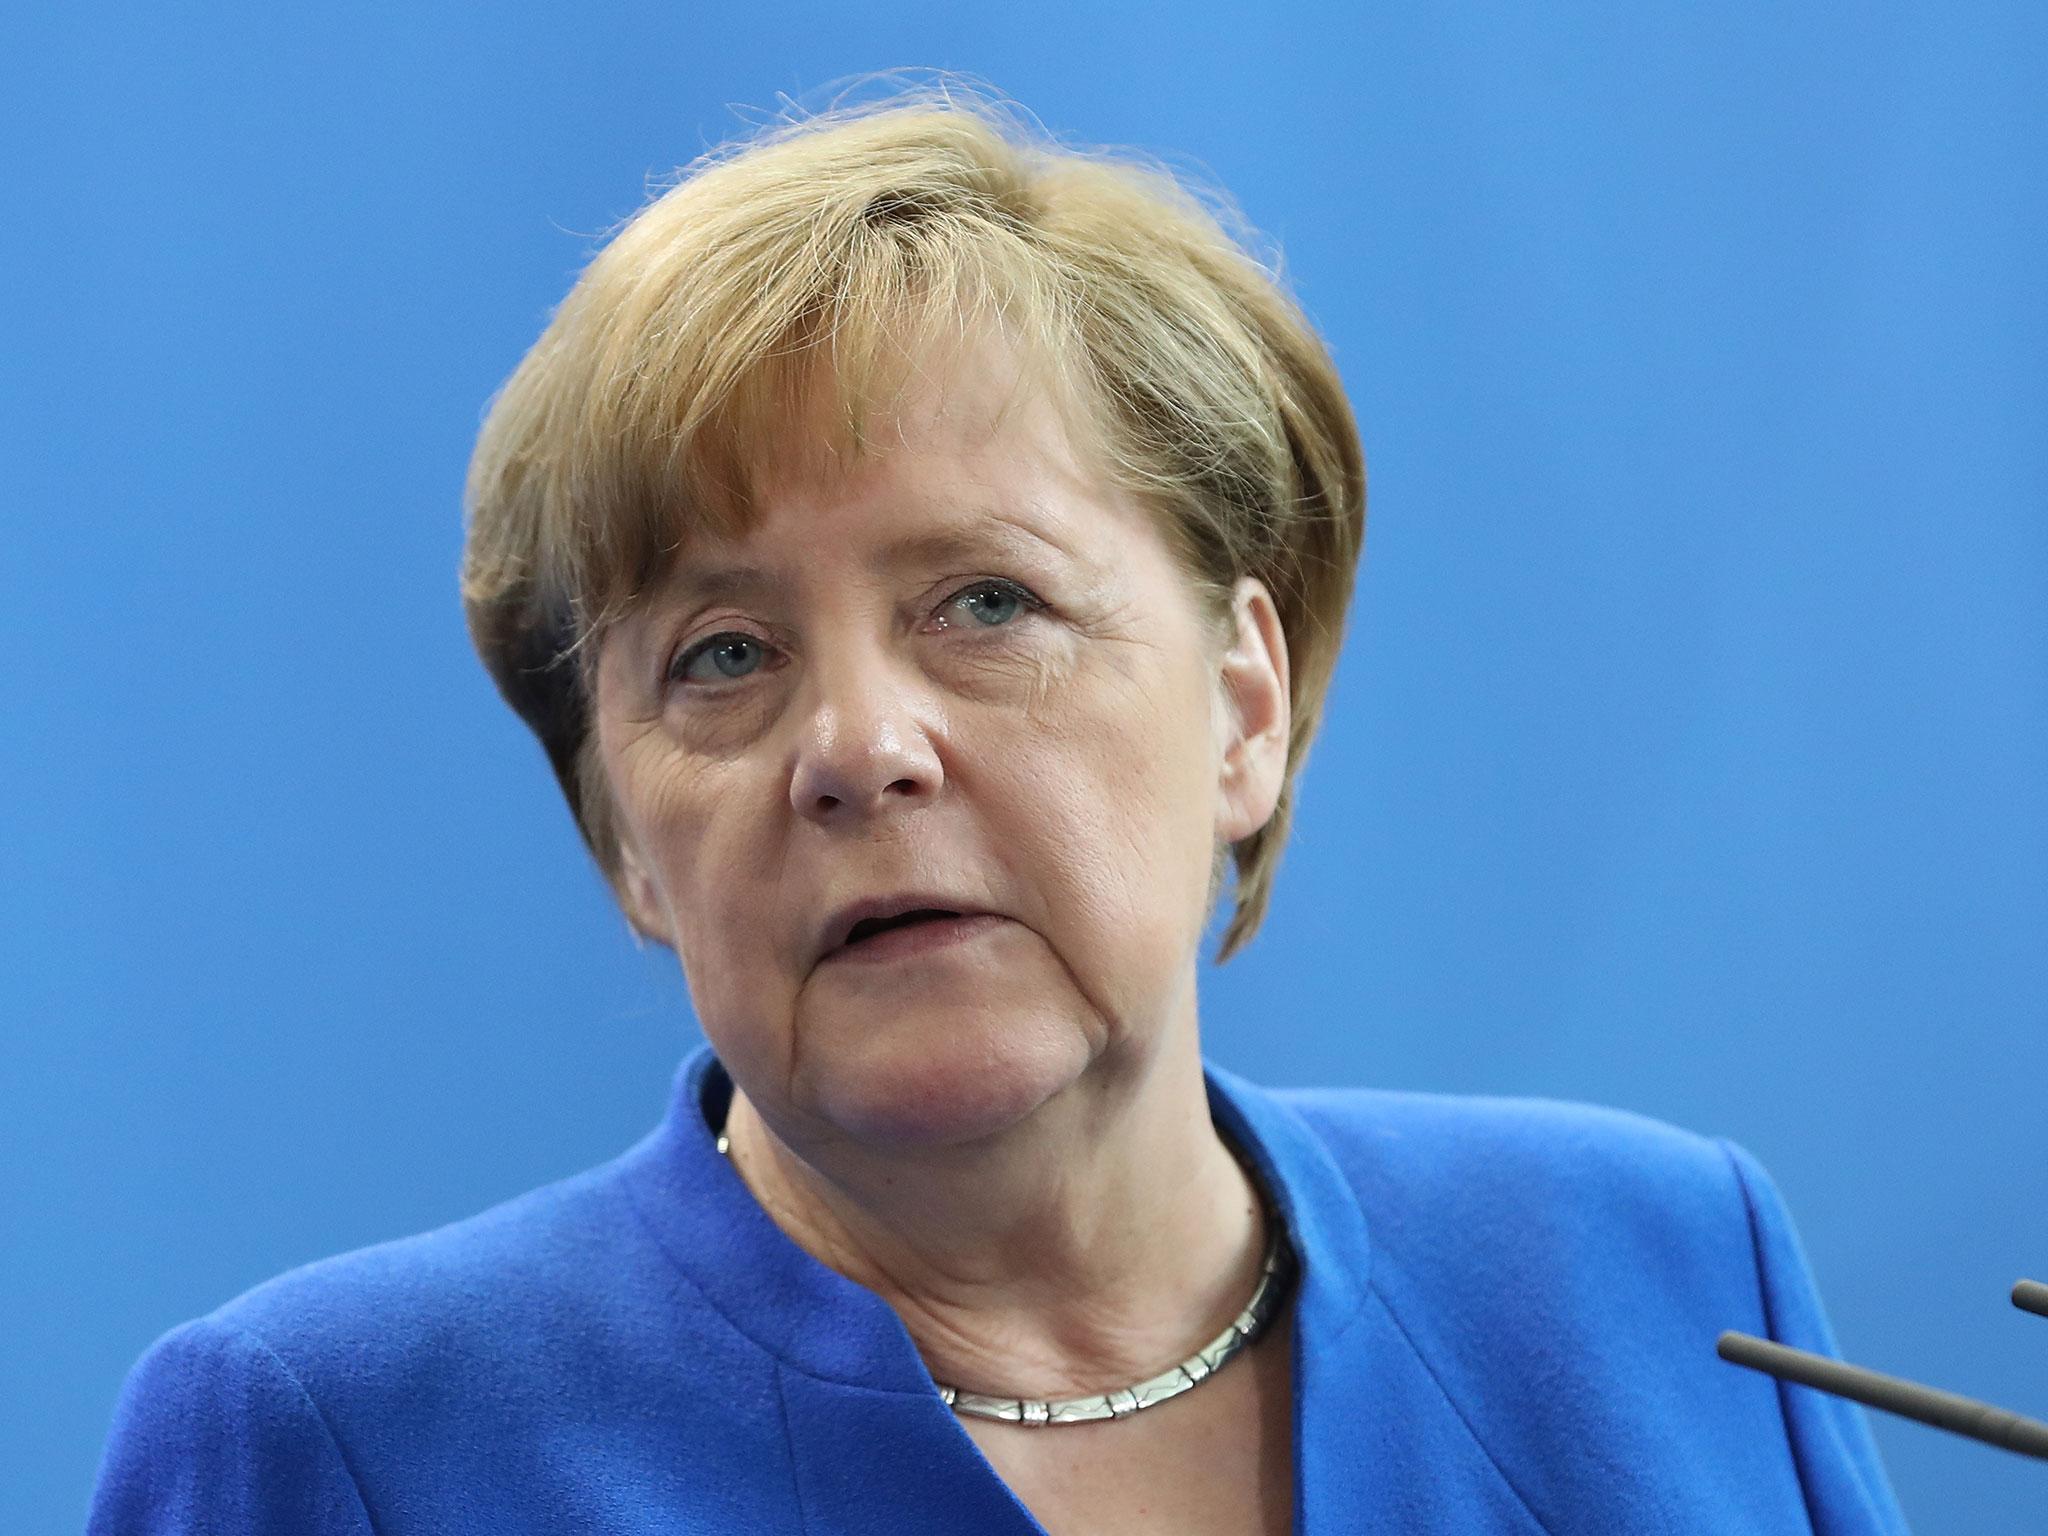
1505,1322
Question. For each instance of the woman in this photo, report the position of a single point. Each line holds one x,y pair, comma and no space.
922,551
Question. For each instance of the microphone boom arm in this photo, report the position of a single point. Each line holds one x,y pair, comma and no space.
1894,1394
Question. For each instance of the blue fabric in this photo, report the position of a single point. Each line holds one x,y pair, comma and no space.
1505,1322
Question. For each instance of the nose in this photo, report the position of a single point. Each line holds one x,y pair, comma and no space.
864,749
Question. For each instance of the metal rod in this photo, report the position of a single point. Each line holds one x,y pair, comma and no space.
2031,1296
1944,1410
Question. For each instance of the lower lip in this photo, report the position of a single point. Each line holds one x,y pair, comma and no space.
915,939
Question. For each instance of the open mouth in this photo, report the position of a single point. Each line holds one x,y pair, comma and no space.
867,927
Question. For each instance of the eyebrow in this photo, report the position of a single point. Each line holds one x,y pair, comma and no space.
705,583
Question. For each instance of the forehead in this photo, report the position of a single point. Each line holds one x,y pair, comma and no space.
950,448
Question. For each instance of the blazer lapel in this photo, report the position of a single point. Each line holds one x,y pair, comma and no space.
1374,1434
885,1463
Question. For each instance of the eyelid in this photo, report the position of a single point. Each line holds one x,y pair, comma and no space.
1029,598
687,651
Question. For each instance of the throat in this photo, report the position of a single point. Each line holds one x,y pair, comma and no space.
1062,1261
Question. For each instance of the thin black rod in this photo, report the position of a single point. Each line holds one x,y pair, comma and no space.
1944,1410
2031,1296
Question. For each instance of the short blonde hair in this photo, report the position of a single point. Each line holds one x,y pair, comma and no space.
855,237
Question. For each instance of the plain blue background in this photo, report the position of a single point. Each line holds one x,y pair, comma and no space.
1689,752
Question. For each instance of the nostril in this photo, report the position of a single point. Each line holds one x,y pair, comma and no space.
840,775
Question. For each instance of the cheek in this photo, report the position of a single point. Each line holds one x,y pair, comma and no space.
702,824
1118,811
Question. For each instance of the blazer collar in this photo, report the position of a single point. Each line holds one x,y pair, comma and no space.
1317,1205
1374,1432
824,1325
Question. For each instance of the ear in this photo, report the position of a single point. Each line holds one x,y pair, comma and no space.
638,894
1255,715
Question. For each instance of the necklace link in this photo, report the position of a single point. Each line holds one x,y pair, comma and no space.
1275,1272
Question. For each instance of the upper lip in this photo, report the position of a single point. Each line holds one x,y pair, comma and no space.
839,925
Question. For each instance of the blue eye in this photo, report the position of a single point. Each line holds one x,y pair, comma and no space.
732,653
999,601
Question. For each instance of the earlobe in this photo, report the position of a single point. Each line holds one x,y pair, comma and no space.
1255,683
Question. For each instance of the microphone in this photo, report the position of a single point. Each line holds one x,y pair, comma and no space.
1894,1394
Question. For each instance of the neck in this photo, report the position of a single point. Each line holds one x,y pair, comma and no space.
1093,1244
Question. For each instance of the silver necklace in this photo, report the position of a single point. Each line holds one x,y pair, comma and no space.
1276,1271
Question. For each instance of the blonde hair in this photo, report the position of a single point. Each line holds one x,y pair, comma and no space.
855,237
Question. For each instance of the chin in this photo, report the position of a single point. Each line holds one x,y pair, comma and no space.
940,1076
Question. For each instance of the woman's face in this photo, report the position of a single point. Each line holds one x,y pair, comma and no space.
963,672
